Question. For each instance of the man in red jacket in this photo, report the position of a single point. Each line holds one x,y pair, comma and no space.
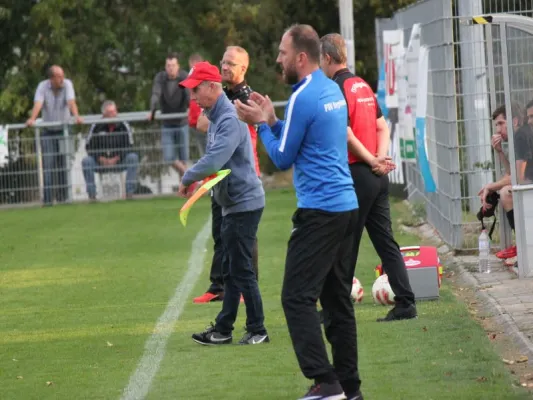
233,67
195,111
370,179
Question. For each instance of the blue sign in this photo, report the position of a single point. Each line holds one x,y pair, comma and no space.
381,92
423,162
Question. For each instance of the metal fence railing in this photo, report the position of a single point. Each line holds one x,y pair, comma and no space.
41,168
459,107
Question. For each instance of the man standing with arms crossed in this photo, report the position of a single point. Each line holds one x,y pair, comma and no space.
242,199
172,98
370,180
313,139
233,65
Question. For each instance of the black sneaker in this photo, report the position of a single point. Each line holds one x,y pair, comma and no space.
211,337
325,391
254,338
399,313
356,396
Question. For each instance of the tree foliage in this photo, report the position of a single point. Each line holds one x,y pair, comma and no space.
113,48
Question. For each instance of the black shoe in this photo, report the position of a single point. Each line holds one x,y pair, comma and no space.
211,337
254,338
356,396
400,312
325,391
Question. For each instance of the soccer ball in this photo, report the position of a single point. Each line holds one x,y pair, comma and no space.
382,292
357,291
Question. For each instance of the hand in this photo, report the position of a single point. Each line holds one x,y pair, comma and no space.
250,113
149,118
381,170
30,122
183,192
382,165
266,105
104,161
496,142
483,193
78,119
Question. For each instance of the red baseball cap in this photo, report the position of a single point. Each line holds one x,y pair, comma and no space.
202,71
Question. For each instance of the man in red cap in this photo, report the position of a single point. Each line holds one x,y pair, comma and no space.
242,199
233,68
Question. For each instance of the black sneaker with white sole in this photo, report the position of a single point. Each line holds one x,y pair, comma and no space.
325,391
356,396
254,338
399,313
211,337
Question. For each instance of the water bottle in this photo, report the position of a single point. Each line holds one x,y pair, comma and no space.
484,251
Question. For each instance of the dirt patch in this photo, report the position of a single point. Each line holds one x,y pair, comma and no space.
510,355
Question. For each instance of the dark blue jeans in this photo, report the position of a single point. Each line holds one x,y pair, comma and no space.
238,234
54,167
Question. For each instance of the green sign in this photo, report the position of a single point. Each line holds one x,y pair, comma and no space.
408,149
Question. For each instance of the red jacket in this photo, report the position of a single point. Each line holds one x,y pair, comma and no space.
194,113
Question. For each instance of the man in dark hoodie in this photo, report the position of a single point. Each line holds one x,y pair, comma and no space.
242,199
172,98
110,149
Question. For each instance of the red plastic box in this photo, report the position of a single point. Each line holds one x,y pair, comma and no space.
424,270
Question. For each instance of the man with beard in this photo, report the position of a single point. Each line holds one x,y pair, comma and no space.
313,140
233,65
242,199
372,186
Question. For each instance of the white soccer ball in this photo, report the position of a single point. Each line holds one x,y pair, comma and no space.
357,291
382,292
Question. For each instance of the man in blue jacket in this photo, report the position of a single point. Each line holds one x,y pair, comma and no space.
242,199
313,140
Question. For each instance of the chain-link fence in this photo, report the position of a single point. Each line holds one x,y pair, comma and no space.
462,70
51,164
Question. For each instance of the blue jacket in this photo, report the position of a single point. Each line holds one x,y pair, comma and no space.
229,146
313,138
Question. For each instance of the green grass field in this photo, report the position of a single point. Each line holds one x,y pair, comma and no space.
82,287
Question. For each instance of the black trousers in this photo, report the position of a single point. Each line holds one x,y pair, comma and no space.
318,266
374,214
216,275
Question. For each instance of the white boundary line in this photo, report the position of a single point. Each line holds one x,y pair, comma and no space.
154,349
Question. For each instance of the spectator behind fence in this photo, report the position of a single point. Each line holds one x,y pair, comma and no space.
56,98
523,155
172,98
109,146
200,138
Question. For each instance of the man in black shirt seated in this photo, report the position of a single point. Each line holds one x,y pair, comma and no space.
109,146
